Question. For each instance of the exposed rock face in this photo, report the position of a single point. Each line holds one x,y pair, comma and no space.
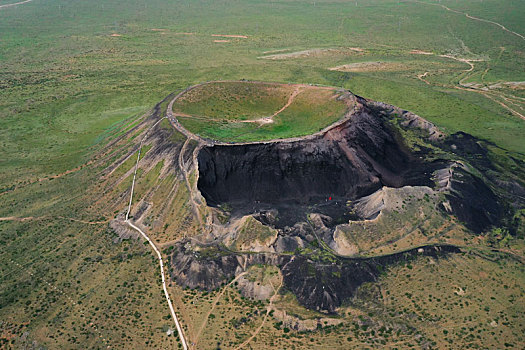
319,285
307,190
123,231
369,207
210,267
409,119
349,161
354,159
473,202
323,287
253,290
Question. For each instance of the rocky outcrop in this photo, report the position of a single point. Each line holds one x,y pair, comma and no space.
304,191
371,206
324,286
351,160
409,119
208,268
318,284
255,289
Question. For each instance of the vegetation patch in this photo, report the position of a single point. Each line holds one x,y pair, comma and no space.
254,111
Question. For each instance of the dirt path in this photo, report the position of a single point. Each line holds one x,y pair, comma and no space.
208,142
268,310
14,218
295,92
493,96
14,4
230,36
260,121
422,78
217,298
473,18
163,277
155,249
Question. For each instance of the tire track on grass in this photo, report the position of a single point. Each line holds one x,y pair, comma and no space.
473,18
268,310
14,4
219,296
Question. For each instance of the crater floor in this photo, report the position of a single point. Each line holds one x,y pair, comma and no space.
242,111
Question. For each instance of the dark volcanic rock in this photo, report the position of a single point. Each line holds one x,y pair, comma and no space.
305,189
318,285
324,286
473,202
212,266
350,160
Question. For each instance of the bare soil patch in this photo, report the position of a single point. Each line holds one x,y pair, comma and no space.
313,53
275,51
369,66
420,52
231,36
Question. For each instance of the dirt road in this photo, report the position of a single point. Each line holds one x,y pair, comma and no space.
473,18
155,249
14,4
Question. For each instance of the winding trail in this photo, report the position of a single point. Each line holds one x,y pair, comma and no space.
261,121
157,251
267,120
493,96
14,4
172,117
191,136
166,294
422,78
473,18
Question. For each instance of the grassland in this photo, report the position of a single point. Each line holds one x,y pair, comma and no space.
233,100
253,111
465,301
68,87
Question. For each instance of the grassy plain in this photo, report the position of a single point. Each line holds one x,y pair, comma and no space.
74,75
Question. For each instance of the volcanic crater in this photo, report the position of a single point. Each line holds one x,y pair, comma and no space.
347,162
300,203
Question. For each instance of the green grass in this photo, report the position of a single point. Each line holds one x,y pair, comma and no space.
233,100
253,231
218,110
67,87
